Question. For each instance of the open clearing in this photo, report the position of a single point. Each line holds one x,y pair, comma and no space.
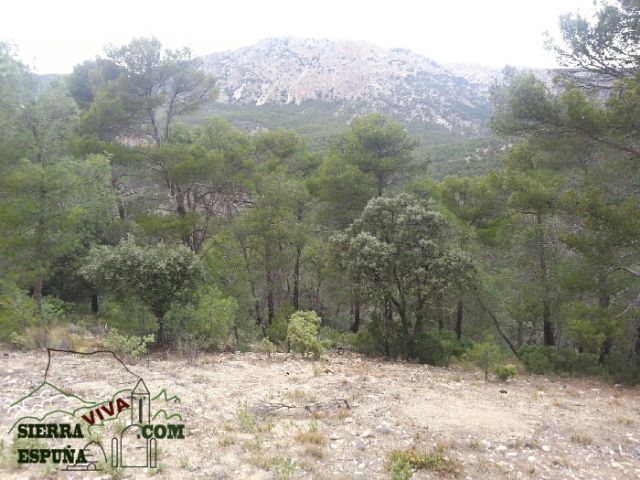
531,427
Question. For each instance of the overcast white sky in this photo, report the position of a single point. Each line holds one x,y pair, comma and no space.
54,35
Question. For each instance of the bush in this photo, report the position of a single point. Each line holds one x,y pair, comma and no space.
485,355
277,331
622,365
17,310
127,316
455,347
505,372
59,337
335,338
265,346
539,360
365,342
400,469
131,346
302,334
208,320
546,359
428,348
434,462
388,336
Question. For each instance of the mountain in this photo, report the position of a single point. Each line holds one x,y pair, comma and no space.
352,77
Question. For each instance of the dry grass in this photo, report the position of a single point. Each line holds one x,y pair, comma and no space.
314,451
581,438
315,438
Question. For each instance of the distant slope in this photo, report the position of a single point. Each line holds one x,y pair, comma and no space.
352,77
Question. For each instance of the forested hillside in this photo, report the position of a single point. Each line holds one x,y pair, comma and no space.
130,207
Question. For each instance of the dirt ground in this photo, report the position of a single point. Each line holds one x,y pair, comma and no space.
252,417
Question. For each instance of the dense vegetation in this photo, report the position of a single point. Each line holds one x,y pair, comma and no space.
116,211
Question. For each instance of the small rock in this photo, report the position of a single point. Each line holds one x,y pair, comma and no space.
366,434
531,459
501,448
546,448
503,391
383,429
486,444
261,475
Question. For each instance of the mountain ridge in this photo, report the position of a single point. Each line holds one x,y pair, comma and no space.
356,77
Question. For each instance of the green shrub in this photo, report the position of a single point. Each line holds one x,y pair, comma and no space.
132,346
17,311
265,346
455,347
388,336
578,363
434,462
277,331
428,348
208,319
365,342
302,334
622,365
546,359
336,338
505,372
539,360
128,316
485,355
400,469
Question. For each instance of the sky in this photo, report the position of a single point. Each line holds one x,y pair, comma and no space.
54,35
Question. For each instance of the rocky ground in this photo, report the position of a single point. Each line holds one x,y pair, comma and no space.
248,416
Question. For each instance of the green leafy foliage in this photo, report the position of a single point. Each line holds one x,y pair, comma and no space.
302,334
434,462
18,311
485,355
208,318
542,360
428,348
505,372
159,276
132,346
265,346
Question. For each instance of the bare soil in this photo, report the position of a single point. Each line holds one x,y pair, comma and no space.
248,416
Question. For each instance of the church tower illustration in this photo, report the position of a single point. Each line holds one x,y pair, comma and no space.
133,449
140,404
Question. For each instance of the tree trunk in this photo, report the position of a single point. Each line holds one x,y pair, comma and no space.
252,284
162,341
179,196
295,300
418,328
121,211
459,317
549,331
355,326
37,294
607,344
440,308
95,306
547,325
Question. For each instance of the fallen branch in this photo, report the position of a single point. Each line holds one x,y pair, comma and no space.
497,324
264,407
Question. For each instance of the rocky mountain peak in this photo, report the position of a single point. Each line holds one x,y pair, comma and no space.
353,75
